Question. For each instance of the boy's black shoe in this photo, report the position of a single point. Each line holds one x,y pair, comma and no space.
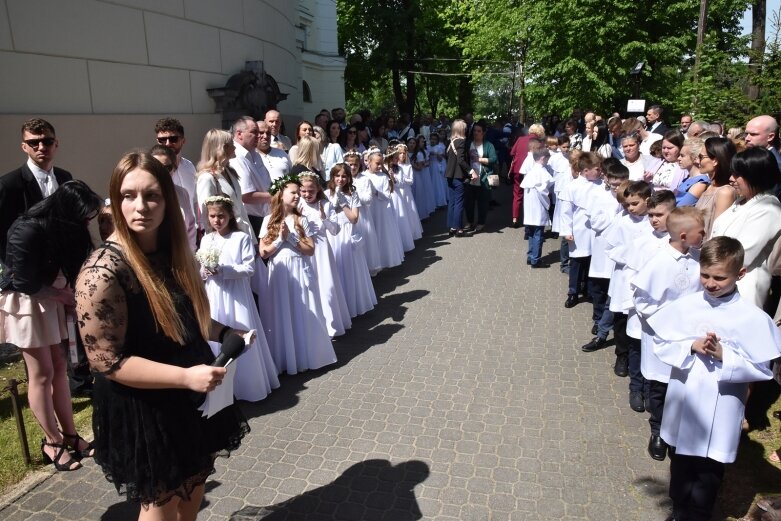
595,345
571,302
636,401
540,265
657,448
622,366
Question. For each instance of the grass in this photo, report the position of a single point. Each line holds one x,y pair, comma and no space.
13,469
753,476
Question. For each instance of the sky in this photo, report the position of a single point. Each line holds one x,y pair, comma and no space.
772,6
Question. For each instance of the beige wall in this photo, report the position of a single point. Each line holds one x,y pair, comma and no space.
90,146
103,71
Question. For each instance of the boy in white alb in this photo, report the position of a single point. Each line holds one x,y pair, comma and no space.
634,258
716,343
603,210
574,223
632,223
536,187
563,172
669,275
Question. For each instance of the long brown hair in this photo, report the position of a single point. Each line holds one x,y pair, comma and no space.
278,215
171,239
345,168
390,169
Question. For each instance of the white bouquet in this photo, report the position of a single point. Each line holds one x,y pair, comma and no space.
209,258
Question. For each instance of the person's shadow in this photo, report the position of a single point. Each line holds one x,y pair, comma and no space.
371,489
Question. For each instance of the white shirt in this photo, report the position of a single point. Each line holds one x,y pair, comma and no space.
46,180
184,176
253,177
276,162
645,145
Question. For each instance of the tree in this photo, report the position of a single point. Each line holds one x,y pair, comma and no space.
394,37
758,16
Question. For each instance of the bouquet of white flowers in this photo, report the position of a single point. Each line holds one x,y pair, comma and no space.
208,257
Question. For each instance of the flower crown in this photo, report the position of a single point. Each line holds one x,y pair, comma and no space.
351,153
392,151
280,183
218,199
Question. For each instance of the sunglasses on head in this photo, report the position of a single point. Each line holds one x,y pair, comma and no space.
33,143
168,139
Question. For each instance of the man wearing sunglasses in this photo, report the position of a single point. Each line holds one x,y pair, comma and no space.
169,132
33,181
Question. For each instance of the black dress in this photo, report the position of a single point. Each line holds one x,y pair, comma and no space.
153,444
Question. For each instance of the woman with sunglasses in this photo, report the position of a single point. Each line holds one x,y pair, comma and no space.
714,160
349,140
46,247
696,182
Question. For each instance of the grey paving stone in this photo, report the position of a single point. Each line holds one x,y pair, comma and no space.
463,395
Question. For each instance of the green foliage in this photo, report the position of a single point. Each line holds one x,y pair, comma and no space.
769,79
564,54
718,91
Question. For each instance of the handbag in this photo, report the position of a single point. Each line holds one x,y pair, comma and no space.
493,180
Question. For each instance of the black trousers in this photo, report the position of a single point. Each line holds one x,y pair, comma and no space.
656,394
619,333
694,484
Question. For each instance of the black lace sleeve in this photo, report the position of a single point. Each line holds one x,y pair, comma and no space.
101,310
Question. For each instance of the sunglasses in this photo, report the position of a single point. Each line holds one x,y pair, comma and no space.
33,143
168,139
352,131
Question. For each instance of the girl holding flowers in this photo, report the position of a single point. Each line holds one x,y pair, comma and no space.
227,260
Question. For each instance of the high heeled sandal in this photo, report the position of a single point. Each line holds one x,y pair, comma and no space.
79,453
61,449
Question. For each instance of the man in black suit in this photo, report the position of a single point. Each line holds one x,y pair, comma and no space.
30,183
654,118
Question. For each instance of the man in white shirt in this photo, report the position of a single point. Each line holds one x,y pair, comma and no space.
275,160
253,176
274,122
170,133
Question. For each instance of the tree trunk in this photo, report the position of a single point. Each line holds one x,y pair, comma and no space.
398,95
698,50
758,15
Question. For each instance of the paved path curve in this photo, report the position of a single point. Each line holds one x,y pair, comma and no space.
463,396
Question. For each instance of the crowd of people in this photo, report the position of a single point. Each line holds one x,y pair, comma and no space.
257,240
673,236
276,241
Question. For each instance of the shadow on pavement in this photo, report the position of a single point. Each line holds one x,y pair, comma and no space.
371,489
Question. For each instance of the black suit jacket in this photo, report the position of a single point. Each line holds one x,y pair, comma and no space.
661,129
19,191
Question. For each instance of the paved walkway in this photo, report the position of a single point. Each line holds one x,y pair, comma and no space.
463,396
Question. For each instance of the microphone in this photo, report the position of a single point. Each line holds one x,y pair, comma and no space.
231,348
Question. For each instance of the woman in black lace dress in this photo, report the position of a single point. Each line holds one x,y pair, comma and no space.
144,318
